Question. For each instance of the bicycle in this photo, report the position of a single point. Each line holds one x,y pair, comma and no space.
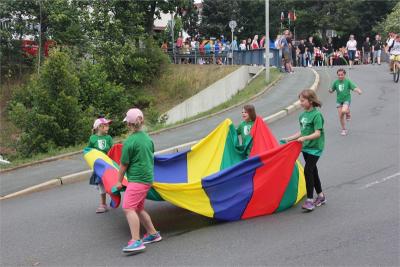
396,70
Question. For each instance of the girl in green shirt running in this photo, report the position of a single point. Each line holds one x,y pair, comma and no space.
343,88
312,135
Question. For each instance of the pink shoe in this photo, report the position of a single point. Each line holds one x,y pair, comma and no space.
101,209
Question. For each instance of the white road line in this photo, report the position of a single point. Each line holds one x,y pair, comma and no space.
381,180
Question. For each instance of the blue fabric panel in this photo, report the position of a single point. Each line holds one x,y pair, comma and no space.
231,189
171,168
99,167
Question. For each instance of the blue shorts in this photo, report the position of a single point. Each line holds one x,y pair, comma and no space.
341,104
352,54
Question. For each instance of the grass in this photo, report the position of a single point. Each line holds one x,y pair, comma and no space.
179,83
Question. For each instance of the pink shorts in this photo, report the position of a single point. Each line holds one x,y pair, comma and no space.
134,196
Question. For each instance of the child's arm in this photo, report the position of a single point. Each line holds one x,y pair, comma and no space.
312,136
292,137
358,91
121,173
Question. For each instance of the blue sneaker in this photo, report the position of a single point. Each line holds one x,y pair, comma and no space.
134,246
147,239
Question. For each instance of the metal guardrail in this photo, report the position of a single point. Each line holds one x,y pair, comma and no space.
247,57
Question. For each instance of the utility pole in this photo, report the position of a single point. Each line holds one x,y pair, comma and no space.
267,41
172,35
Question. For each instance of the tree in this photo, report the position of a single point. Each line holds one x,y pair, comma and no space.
391,23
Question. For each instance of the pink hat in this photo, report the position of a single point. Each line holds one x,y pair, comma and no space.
100,121
133,114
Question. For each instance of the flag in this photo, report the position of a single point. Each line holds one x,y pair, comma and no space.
215,179
294,15
282,16
289,16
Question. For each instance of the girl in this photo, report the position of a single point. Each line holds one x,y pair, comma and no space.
312,136
249,116
137,161
343,87
100,140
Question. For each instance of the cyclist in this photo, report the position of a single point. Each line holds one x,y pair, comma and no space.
395,53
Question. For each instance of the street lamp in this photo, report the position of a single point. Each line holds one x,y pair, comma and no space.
266,40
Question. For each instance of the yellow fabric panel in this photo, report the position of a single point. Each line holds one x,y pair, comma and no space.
188,196
301,189
94,154
205,157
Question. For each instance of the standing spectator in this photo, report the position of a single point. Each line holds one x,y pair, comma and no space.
286,52
242,46
294,53
328,51
179,42
248,44
377,49
310,51
262,42
302,53
318,57
254,43
366,51
164,46
234,45
351,47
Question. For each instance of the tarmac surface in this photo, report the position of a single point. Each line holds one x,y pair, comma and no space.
359,225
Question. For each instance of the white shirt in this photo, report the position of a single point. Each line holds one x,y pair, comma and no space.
351,45
395,49
242,47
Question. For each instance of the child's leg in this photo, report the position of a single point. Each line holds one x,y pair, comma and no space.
317,181
103,199
145,219
341,117
134,224
309,168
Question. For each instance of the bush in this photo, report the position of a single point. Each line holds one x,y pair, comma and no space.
47,110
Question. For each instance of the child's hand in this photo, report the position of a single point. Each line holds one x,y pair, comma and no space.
301,139
118,185
283,141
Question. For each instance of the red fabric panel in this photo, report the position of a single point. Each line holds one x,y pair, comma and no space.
115,153
270,181
263,139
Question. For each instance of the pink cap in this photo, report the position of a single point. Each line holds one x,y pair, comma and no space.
100,121
133,114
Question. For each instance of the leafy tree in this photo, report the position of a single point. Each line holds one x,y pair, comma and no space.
391,23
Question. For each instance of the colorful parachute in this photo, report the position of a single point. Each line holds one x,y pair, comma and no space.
213,178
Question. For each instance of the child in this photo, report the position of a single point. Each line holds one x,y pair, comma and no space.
249,116
342,86
137,161
100,140
312,136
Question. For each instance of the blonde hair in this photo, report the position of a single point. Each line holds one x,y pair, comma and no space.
311,96
137,125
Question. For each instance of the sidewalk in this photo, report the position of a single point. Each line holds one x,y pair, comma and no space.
283,94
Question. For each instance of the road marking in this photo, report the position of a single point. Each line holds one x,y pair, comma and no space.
381,180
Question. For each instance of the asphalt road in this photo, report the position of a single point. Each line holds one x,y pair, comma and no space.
359,225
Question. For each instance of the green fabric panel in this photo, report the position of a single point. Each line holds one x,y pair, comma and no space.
152,194
233,153
290,195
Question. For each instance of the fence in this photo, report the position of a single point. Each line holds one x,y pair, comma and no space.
247,57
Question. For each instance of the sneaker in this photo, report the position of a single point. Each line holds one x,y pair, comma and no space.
348,116
134,246
308,205
343,132
320,201
147,239
101,209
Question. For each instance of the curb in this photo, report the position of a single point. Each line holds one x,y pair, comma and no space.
84,175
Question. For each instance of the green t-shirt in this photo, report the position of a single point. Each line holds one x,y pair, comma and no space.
342,89
101,142
138,154
310,121
244,130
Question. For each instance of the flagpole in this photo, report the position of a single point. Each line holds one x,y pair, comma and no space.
267,40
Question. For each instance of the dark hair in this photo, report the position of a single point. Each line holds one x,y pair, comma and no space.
311,96
341,70
250,109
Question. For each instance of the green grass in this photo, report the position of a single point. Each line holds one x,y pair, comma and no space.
254,87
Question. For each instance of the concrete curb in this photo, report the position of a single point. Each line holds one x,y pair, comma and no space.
84,175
